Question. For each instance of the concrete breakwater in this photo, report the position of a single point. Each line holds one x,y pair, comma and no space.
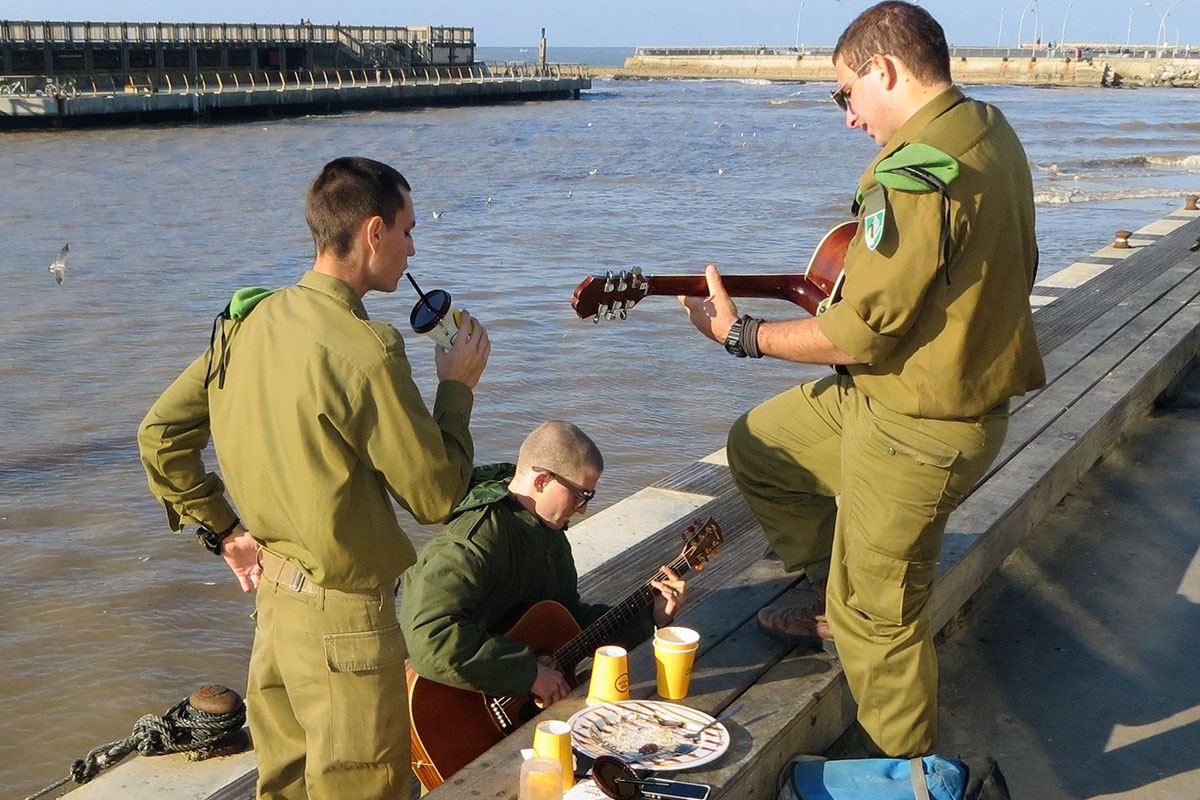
1064,67
81,100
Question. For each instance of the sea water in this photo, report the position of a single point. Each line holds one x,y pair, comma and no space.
105,616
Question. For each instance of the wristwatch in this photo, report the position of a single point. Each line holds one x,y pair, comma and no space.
212,539
733,340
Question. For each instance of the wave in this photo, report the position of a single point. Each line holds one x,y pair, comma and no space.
797,102
1072,195
1175,161
1138,125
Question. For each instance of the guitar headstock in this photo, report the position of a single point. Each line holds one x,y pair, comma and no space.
610,296
706,539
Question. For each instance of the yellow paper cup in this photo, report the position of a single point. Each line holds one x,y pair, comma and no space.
676,638
541,779
674,654
610,675
552,739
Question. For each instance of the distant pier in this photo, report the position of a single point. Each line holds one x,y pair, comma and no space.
69,74
1064,65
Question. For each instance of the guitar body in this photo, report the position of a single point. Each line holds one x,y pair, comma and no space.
452,727
814,290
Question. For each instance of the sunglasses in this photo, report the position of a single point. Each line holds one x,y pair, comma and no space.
582,496
841,95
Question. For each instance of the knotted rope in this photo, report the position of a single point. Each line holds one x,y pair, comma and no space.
207,723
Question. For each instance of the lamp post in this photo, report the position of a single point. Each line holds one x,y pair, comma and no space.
1129,27
1021,24
1162,25
798,13
1062,36
1000,30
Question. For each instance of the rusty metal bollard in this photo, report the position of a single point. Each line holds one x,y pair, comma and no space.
1190,202
1122,240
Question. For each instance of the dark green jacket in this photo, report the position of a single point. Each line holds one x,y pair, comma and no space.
493,559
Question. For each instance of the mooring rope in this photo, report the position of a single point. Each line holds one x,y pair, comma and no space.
207,723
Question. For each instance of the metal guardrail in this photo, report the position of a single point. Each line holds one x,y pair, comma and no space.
26,31
260,80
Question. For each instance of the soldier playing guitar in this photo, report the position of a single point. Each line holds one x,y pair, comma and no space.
504,550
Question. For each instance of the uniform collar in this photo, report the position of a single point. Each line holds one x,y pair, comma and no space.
337,289
911,129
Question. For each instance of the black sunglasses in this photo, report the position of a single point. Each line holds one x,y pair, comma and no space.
841,95
582,496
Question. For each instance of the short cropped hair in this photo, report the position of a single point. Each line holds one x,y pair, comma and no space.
347,191
561,447
901,30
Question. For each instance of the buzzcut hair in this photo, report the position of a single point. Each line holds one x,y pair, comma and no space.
560,446
902,30
347,191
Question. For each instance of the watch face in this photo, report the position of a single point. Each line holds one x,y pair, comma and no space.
733,341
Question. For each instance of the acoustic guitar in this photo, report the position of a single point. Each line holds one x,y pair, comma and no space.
814,290
452,727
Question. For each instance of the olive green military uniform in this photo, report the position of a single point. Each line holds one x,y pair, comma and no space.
901,438
316,420
494,559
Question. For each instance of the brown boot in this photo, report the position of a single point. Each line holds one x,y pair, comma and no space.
800,625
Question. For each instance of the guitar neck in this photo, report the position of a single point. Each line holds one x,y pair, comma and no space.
570,654
794,288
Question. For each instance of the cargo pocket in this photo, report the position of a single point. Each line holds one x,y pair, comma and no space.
367,695
886,588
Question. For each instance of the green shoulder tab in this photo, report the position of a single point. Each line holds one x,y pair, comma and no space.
909,168
489,483
244,300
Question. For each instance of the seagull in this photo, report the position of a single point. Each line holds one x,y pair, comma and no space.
720,170
589,124
569,193
437,214
592,171
718,124
489,201
59,267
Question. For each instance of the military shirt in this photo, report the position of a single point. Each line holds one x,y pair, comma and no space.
317,423
492,561
953,340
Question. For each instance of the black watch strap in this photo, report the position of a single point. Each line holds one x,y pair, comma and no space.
733,340
212,539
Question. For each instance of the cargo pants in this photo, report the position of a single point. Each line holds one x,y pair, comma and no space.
847,488
326,700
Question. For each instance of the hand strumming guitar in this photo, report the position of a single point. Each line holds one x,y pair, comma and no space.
549,687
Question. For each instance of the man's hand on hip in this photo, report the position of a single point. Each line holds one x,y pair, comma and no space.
240,551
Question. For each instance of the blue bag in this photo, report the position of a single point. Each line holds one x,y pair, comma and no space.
928,778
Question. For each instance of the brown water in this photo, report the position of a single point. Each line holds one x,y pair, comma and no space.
105,616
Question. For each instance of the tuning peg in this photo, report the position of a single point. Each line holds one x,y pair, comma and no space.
622,281
624,314
608,281
596,319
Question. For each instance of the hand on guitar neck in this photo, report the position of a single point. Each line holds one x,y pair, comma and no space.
713,315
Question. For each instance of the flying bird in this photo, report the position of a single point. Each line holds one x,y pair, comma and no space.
592,171
437,214
59,267
569,193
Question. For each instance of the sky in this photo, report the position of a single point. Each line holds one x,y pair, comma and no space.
626,23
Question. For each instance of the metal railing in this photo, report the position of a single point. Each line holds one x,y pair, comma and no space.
1059,51
210,81
27,31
